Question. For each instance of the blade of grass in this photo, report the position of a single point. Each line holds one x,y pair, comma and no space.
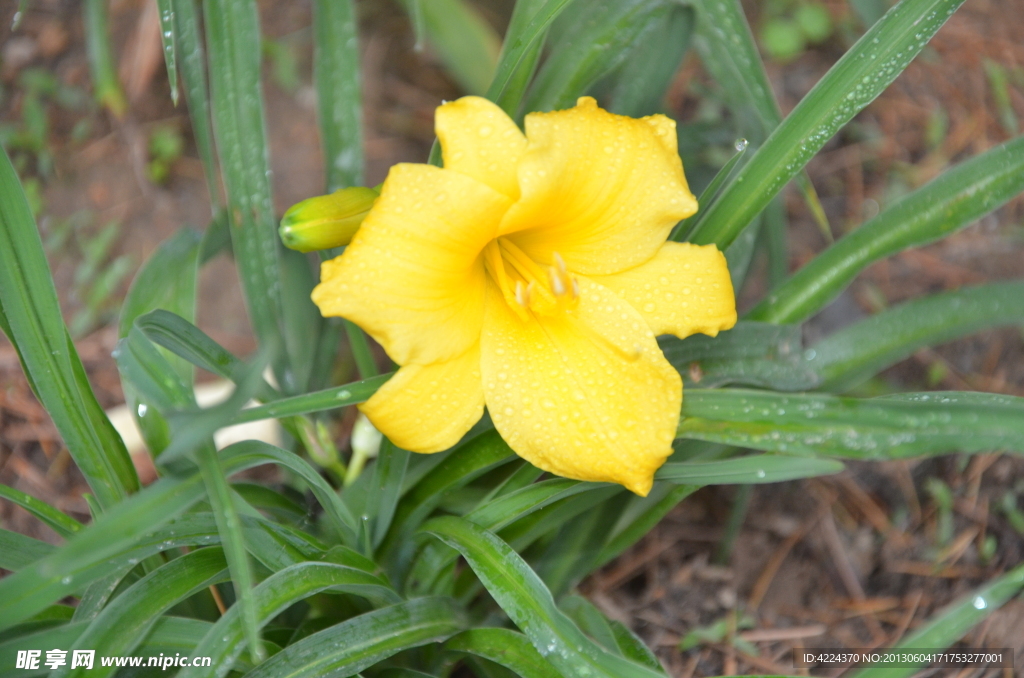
953,622
107,88
948,203
166,9
593,39
233,541
123,624
516,84
520,51
505,647
223,642
59,522
875,428
233,38
339,102
466,44
754,469
857,78
639,518
18,551
189,46
528,602
730,54
33,323
57,575
347,648
863,349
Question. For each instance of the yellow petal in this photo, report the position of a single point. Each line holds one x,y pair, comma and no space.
428,408
602,190
480,141
683,290
585,394
411,276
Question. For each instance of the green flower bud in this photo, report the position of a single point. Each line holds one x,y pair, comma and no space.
327,220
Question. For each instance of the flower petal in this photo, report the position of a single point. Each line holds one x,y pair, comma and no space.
480,141
602,190
585,394
428,408
411,276
682,290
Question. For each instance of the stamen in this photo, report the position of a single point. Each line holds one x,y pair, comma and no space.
557,284
522,295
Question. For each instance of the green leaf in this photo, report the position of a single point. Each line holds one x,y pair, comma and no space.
710,192
520,51
167,280
32,321
953,200
107,87
166,9
18,551
318,401
249,453
223,642
59,522
189,49
353,645
863,349
82,559
187,341
729,53
505,647
637,87
339,102
875,428
592,39
523,596
465,42
856,79
225,512
953,622
640,516
386,488
233,38
122,625
754,469
752,354
466,463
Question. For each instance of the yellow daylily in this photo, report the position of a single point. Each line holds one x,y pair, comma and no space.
531,275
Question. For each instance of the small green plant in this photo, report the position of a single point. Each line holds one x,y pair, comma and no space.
165,147
788,27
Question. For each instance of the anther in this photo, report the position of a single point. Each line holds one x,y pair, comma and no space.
557,283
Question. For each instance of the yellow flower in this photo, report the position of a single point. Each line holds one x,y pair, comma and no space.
532,275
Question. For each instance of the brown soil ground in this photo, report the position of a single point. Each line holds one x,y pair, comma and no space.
848,561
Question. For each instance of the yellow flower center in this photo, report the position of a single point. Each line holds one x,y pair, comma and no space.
527,285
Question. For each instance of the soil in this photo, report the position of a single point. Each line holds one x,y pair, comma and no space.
849,561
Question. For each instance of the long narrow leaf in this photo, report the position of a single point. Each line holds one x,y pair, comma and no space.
59,522
166,9
233,38
953,622
755,469
31,590
857,78
876,428
523,596
950,202
347,648
339,102
192,59
122,625
223,642
28,302
506,647
855,353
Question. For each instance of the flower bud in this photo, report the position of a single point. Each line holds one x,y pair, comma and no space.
327,220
